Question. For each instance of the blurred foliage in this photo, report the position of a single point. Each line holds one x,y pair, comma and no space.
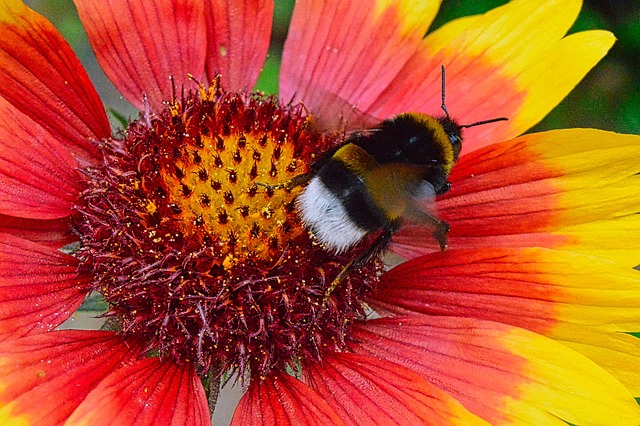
608,98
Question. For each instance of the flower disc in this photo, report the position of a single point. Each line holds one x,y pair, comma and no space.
187,238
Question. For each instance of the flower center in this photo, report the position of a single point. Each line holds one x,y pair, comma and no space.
197,255
213,172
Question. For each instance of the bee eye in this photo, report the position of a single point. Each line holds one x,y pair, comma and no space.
413,140
456,143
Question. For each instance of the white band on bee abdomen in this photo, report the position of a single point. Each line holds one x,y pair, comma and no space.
323,213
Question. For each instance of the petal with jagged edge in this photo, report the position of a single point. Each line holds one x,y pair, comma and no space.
510,62
238,36
39,287
503,374
616,352
52,233
574,189
341,54
44,377
585,300
148,392
368,390
38,175
43,78
281,400
147,48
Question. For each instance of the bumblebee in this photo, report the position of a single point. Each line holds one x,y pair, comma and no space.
380,179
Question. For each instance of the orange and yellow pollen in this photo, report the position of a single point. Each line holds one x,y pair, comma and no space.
219,185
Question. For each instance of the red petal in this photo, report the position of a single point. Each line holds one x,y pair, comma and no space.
584,301
543,189
471,96
38,177
140,45
367,390
44,79
39,287
54,233
283,400
504,285
349,50
504,374
44,377
512,61
238,35
148,392
448,352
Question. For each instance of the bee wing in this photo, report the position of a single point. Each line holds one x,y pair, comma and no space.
421,208
330,112
421,212
401,192
423,192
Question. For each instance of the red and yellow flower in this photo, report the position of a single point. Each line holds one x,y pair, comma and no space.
526,318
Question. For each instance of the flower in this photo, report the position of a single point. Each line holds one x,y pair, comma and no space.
525,318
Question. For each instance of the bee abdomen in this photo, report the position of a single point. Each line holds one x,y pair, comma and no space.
337,208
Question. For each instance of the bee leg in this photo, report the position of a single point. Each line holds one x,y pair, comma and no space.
291,183
378,245
440,227
440,233
445,188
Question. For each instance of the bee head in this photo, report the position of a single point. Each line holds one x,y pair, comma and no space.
453,129
454,133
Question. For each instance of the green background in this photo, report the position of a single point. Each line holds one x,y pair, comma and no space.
608,98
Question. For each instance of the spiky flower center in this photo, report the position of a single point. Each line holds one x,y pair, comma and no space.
197,254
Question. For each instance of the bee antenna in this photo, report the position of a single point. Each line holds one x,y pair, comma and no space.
479,123
444,107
